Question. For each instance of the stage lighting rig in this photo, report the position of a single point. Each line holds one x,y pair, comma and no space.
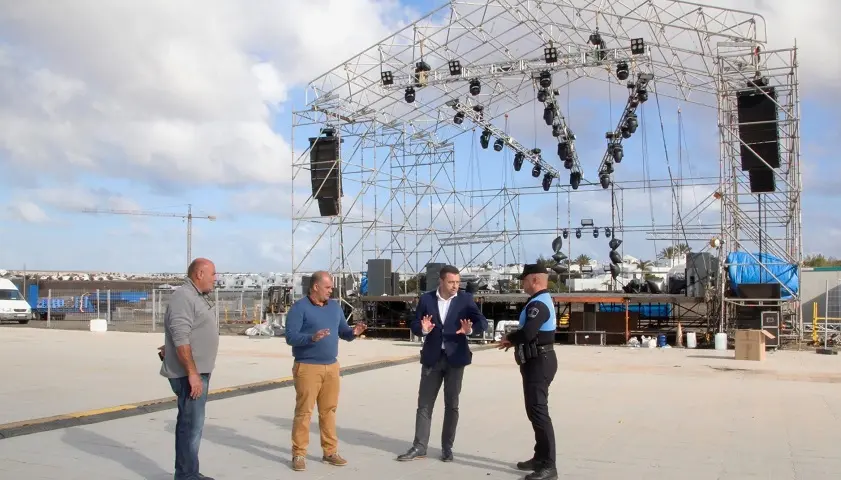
577,57
521,152
627,126
566,139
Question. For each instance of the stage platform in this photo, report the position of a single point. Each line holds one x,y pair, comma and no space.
584,297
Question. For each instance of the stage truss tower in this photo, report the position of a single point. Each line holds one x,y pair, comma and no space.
401,109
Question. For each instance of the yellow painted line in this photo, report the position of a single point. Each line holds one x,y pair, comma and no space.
137,405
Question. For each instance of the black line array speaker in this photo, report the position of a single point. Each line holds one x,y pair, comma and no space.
379,277
759,134
326,173
433,276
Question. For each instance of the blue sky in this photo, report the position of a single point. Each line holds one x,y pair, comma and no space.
165,114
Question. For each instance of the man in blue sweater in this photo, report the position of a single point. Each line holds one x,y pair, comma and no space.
314,325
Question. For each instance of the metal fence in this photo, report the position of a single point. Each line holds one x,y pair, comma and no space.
826,316
139,311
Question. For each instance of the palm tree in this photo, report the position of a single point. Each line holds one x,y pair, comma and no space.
674,252
582,260
644,265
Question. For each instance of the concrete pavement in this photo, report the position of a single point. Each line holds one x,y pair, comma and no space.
619,414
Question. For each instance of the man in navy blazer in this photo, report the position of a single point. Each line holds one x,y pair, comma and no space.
444,318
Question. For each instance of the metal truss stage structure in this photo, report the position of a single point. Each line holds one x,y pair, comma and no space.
386,129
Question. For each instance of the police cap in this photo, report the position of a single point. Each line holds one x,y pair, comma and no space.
532,268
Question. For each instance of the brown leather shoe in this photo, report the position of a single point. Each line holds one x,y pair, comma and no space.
336,460
299,463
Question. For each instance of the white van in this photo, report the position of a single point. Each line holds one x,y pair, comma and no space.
12,305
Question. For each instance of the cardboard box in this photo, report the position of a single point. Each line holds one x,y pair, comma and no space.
750,344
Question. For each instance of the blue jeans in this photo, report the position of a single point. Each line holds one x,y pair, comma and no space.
188,427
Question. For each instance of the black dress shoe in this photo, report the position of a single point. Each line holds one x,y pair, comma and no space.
529,465
412,454
447,455
543,473
204,477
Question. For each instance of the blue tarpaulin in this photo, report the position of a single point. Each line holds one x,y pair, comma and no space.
645,310
744,268
363,285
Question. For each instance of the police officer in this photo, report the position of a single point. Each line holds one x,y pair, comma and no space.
533,344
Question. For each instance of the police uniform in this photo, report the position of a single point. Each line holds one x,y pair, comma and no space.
534,351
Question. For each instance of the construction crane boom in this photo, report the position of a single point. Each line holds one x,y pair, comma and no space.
189,216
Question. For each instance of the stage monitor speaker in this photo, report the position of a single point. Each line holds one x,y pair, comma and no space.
758,128
762,180
396,287
326,174
771,324
306,281
433,274
379,277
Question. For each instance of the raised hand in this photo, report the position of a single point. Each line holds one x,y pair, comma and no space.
426,323
320,334
466,326
359,328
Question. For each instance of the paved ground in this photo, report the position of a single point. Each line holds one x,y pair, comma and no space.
619,414
52,372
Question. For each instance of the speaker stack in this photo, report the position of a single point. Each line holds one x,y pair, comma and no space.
759,135
326,173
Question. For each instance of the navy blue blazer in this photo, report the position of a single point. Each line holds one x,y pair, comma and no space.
456,347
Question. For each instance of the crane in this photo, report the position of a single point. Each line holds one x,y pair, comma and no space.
189,216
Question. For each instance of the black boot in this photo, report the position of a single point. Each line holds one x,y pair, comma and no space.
543,473
412,454
529,465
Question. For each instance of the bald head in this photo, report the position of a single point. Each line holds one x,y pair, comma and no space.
535,282
202,272
321,286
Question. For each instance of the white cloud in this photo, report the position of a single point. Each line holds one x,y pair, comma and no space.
26,211
166,91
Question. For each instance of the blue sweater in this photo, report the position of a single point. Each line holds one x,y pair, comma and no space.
304,319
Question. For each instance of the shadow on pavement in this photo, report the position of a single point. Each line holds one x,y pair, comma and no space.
104,447
396,447
228,437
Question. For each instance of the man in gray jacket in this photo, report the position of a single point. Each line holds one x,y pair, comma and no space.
189,354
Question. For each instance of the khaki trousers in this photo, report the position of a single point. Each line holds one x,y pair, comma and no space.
315,384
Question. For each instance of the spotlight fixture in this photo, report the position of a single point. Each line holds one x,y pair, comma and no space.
422,73
545,79
549,115
637,46
387,77
547,181
518,161
608,166
596,39
455,67
556,130
568,164
577,233
564,151
535,171
607,232
622,71
485,139
480,110
475,87
550,54
595,233
642,95
542,95
565,233
410,95
604,180
575,180
458,118
632,122
498,144
616,151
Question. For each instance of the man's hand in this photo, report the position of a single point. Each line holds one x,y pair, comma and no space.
359,328
196,386
466,326
320,334
426,323
504,344
161,352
